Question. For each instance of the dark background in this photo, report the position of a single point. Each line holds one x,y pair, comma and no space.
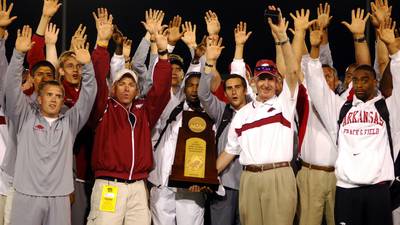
128,14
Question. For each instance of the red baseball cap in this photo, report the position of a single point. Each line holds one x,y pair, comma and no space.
265,66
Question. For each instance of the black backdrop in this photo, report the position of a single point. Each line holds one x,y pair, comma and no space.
128,14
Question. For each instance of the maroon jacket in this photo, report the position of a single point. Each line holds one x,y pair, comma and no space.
122,146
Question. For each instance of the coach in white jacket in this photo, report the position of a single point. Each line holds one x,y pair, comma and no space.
364,167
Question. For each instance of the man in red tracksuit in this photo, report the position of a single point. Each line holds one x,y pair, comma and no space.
122,152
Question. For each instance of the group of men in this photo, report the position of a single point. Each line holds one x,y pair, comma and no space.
294,144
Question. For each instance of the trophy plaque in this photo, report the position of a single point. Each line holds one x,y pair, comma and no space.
196,154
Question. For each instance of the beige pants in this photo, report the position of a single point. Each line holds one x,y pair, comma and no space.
8,206
131,208
3,199
317,196
268,198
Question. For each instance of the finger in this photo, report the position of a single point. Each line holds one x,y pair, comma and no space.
346,24
248,35
95,16
297,13
394,26
293,17
353,15
10,8
87,46
83,31
319,9
366,17
302,13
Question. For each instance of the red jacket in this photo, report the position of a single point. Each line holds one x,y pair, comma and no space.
121,149
36,53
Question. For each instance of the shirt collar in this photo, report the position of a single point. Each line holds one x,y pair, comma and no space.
269,102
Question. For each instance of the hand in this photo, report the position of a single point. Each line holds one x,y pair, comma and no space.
126,49
5,19
301,20
153,22
213,25
386,32
50,7
380,12
189,35
23,42
162,39
213,50
117,36
196,188
174,33
200,50
357,26
280,29
82,54
104,24
79,37
51,34
240,33
316,34
28,83
323,15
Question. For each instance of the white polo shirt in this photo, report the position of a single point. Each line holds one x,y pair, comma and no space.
317,146
263,132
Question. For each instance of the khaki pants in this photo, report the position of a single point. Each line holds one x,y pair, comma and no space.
131,208
8,206
268,198
317,196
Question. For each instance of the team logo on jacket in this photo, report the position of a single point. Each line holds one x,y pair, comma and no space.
139,106
39,127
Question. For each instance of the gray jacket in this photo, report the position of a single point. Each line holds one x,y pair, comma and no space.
44,153
230,177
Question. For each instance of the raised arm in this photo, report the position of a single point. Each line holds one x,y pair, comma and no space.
357,28
324,99
386,34
79,113
101,64
292,65
159,94
36,54
50,38
323,20
17,107
211,104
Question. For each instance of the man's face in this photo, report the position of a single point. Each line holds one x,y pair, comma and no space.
51,101
72,71
191,89
364,85
266,87
125,90
177,74
235,92
349,76
330,78
43,73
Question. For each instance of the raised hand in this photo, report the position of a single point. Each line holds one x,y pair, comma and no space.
357,26
386,32
316,33
104,25
380,12
213,25
200,49
213,50
301,20
240,33
153,21
82,54
5,19
23,42
174,33
126,48
189,35
79,36
323,15
280,29
51,34
117,36
162,39
50,7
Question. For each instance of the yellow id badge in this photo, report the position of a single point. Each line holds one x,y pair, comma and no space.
108,198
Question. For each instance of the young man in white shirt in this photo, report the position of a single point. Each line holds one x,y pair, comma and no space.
364,167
